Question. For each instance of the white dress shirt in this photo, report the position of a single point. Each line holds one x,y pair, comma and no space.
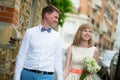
40,51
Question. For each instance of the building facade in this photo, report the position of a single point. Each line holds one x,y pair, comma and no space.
106,22
103,15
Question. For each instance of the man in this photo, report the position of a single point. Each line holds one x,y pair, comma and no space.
40,51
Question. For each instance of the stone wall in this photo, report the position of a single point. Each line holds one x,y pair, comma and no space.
7,61
29,15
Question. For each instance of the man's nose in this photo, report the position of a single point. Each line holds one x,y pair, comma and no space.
57,20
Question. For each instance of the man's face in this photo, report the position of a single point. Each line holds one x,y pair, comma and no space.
52,18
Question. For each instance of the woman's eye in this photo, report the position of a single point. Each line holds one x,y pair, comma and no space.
85,30
90,31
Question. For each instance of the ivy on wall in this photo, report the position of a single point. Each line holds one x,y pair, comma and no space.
64,6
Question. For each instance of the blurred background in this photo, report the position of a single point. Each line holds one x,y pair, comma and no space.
104,15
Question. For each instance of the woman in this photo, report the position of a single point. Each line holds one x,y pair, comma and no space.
82,46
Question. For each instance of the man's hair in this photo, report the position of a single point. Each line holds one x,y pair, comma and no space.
49,9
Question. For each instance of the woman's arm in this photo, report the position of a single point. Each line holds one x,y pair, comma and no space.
96,54
67,62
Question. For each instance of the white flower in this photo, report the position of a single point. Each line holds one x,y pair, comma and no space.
91,65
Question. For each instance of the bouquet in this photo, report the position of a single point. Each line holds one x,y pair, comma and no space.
90,65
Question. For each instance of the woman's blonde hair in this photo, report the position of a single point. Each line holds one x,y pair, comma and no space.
77,38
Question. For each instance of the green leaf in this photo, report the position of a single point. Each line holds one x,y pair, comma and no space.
82,76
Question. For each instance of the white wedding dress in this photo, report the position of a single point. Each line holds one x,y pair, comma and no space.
78,53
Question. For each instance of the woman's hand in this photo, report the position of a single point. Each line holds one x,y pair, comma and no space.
86,72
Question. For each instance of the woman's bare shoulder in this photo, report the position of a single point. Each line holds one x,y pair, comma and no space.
70,48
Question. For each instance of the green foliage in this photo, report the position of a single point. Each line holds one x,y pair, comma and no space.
64,6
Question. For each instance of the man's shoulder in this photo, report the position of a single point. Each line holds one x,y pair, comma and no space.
57,35
55,32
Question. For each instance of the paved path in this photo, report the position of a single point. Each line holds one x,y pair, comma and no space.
97,77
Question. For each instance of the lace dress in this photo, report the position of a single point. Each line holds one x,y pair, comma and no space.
78,53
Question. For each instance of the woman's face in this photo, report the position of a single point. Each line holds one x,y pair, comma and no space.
86,34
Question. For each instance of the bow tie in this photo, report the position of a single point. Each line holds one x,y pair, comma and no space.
44,29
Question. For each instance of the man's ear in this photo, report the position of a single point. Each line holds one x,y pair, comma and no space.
46,15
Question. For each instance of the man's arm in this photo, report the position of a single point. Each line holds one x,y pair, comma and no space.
21,56
58,60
